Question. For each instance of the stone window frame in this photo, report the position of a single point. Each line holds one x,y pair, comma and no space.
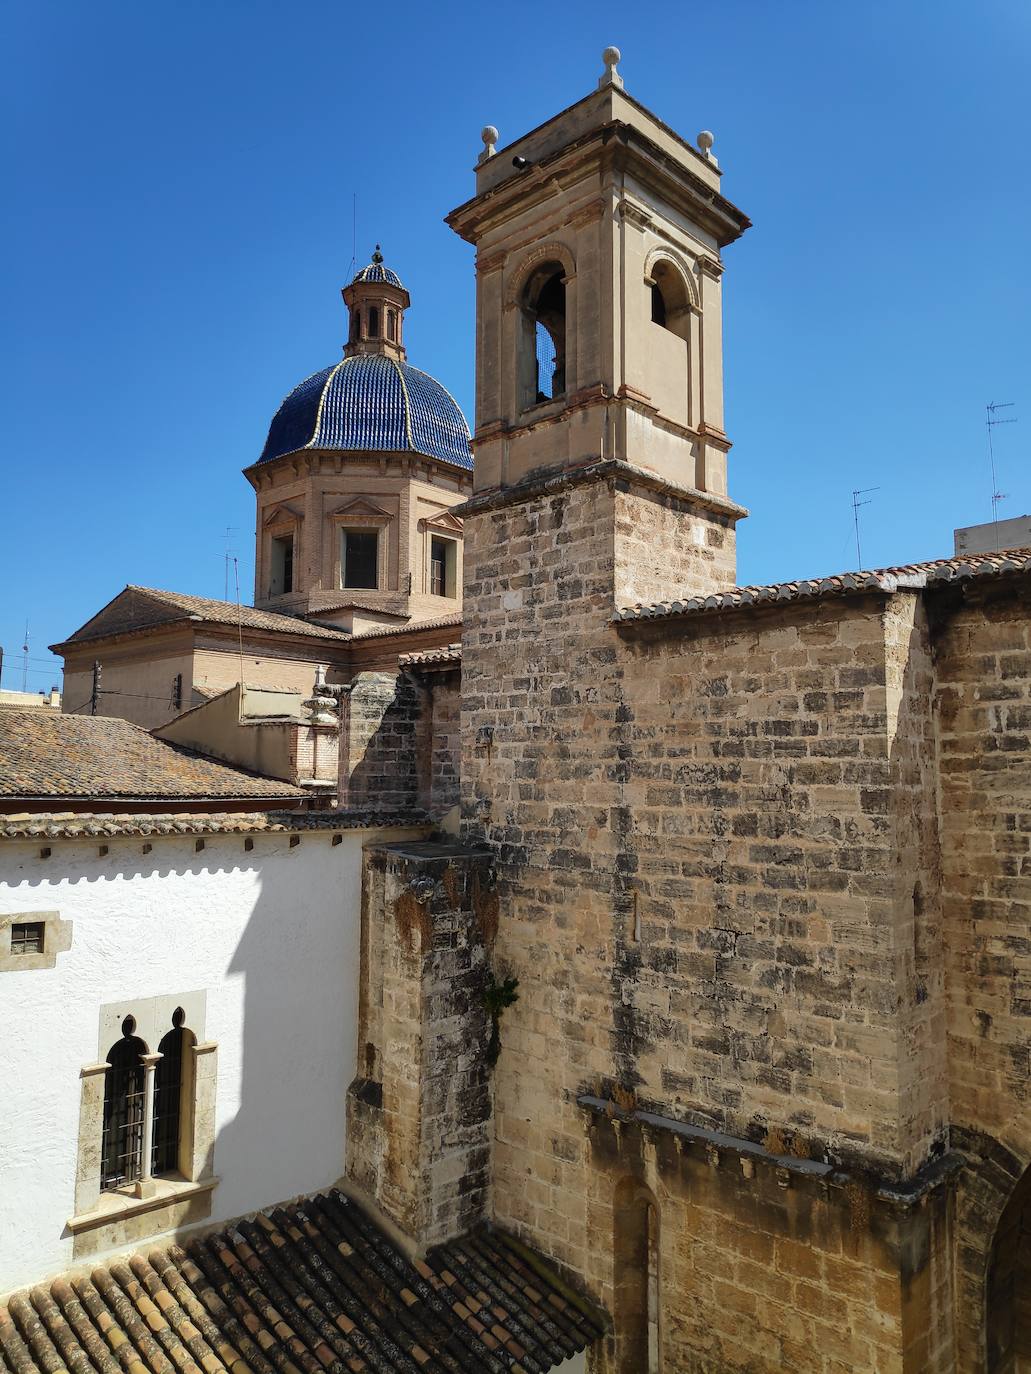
57,939
105,1213
662,261
519,332
278,522
443,525
362,517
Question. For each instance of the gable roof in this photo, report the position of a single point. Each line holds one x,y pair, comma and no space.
311,1286
136,608
46,754
935,572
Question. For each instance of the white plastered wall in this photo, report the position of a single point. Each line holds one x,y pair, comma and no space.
270,936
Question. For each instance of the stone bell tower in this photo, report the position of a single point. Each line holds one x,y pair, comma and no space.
598,314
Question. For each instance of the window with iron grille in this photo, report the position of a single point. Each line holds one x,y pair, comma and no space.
168,1094
124,1110
27,937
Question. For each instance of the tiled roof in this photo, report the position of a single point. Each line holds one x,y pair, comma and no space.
376,272
371,402
137,608
439,622
48,754
431,658
78,825
301,1289
935,572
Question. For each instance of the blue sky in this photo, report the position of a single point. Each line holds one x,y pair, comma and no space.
182,178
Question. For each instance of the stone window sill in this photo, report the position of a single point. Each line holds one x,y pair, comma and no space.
120,1204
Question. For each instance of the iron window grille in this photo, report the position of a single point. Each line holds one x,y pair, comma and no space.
168,1088
124,1110
27,937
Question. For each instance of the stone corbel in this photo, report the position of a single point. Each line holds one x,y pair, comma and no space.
634,214
711,267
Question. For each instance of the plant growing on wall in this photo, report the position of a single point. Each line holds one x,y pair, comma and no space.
496,998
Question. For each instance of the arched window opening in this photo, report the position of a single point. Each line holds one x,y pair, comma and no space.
670,302
121,1150
169,1095
356,325
545,341
392,326
658,306
638,1276
373,322
1008,1309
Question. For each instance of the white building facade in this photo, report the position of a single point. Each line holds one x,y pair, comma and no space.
225,961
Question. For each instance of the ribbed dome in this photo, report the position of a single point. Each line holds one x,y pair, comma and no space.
369,401
377,272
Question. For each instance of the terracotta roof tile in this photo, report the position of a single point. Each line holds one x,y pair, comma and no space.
48,754
314,1286
431,658
412,627
74,825
937,571
137,608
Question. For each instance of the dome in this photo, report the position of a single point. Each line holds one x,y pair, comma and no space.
371,401
376,272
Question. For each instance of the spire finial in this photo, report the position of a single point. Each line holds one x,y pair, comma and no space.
377,256
705,141
489,135
610,77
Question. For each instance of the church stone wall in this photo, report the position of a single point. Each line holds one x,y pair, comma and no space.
718,866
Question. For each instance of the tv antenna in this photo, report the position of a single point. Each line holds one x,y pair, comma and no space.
25,660
856,504
229,554
990,422
354,235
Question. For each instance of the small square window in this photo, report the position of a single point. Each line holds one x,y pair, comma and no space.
27,937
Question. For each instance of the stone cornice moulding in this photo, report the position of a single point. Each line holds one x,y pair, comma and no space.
362,512
445,522
282,513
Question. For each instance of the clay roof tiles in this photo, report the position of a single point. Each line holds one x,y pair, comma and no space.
446,655
74,825
314,1286
138,608
49,754
937,571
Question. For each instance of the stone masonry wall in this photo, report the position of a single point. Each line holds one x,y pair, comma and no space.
378,753
704,900
419,1112
439,742
983,697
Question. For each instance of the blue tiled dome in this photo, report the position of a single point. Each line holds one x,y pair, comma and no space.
369,401
377,272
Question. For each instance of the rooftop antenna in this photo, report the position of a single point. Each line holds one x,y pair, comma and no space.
25,660
230,531
856,503
990,423
354,235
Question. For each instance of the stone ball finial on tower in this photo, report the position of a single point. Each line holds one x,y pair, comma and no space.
489,135
705,141
610,77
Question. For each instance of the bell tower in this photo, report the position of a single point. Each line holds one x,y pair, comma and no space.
598,238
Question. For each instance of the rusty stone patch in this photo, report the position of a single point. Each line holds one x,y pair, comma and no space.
412,915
